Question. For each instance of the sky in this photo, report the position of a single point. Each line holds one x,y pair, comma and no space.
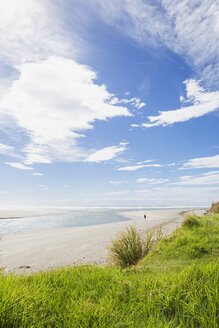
109,103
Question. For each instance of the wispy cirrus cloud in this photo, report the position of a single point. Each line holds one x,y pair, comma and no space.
135,102
209,178
137,167
19,166
6,150
147,161
201,162
37,174
189,29
152,180
115,182
201,102
107,153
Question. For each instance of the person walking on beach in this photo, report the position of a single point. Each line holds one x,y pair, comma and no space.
145,216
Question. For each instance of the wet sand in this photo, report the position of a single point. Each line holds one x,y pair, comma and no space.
44,250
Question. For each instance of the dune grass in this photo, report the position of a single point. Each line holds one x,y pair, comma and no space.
215,207
128,248
175,285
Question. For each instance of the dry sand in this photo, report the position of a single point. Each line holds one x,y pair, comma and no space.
44,250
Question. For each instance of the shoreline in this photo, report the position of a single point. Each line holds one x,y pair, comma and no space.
21,214
49,249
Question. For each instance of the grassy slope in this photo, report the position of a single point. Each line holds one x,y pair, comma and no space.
176,285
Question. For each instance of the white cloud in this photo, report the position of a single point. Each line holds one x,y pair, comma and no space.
202,162
45,89
31,30
152,180
2,192
202,102
171,164
147,161
4,149
137,167
115,182
37,174
188,28
106,153
196,34
19,166
54,101
135,102
202,179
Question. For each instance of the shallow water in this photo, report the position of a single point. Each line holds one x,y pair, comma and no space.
73,218
67,219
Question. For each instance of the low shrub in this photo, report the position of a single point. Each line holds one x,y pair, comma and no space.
198,251
215,207
191,221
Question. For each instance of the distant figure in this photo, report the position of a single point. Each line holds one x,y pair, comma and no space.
145,216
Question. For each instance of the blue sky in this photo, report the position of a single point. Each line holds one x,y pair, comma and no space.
109,103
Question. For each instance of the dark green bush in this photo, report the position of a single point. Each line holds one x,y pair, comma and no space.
191,221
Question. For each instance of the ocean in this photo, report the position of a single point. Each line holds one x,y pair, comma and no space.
68,218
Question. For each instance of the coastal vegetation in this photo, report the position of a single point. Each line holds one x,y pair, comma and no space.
174,285
215,207
130,246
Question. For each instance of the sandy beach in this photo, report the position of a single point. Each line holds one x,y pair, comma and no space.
44,250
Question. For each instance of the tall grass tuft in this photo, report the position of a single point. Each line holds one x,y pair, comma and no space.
128,248
191,222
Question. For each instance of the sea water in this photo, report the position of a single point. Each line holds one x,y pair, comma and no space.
68,218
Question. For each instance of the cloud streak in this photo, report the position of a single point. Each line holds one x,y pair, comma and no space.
19,166
137,167
6,150
152,180
189,29
107,153
201,162
202,103
210,178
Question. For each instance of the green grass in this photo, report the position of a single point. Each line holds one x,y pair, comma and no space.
175,285
129,247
